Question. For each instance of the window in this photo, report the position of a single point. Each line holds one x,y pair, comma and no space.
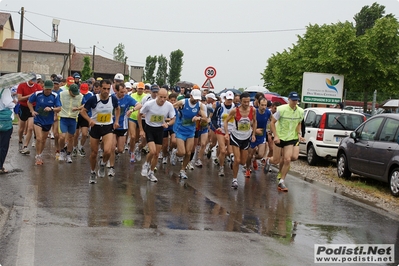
389,131
311,119
370,129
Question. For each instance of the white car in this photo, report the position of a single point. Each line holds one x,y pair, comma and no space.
323,129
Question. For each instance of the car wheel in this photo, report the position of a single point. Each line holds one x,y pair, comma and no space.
342,166
394,182
312,156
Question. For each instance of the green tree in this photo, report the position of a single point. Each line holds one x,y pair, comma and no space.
119,53
367,16
162,70
86,71
150,65
175,66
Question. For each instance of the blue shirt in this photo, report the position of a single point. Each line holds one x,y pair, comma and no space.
125,103
262,119
184,118
42,101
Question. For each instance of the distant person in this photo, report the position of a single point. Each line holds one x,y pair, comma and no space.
7,105
339,105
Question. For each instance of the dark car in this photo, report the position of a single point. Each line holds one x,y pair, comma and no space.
372,150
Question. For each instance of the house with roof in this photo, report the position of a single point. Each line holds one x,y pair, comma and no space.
47,57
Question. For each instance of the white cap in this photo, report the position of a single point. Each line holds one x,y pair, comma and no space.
148,84
229,95
196,94
134,86
222,96
38,76
119,76
128,85
132,81
211,95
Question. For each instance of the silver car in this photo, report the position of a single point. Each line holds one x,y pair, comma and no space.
372,150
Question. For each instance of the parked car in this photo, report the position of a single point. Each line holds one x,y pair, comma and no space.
323,129
372,150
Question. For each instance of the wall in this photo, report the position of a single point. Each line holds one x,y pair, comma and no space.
6,33
137,73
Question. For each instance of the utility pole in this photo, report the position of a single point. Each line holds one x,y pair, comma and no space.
94,55
124,66
21,30
70,59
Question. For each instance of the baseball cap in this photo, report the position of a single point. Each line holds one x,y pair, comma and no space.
99,78
70,80
140,85
293,96
84,88
148,85
56,80
74,89
76,75
128,85
229,95
38,76
154,88
119,76
211,95
196,94
59,77
48,84
195,86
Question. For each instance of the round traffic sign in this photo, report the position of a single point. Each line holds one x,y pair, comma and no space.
210,72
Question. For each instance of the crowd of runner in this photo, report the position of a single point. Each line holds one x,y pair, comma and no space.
175,125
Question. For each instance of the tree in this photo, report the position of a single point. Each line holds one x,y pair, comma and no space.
367,16
119,53
86,71
175,66
150,64
162,70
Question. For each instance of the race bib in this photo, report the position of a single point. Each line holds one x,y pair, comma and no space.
243,126
224,116
187,122
104,118
157,118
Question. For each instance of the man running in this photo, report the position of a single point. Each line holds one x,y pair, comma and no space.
155,111
102,106
286,134
241,134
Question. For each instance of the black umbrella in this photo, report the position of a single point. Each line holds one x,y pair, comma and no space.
235,91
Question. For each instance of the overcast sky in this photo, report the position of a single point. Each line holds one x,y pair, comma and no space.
236,37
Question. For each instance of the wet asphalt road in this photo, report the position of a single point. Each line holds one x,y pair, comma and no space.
55,217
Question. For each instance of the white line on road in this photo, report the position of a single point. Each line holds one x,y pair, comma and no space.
26,245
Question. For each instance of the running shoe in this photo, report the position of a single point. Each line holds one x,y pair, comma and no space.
282,187
255,165
208,153
126,147
20,146
100,153
180,159
216,161
234,184
248,173
160,155
51,135
144,169
111,172
183,174
93,178
198,163
101,168
38,160
34,143
108,164
151,176
25,151
82,152
69,159
267,166
221,171
62,156
138,155
75,152
164,160
189,166
173,157
132,157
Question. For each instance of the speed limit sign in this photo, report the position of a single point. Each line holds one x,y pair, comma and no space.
210,72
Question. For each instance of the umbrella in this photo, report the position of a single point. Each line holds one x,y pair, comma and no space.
256,89
392,103
12,79
185,84
275,98
235,91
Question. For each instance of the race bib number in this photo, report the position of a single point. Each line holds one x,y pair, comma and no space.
104,118
244,126
157,118
224,117
187,122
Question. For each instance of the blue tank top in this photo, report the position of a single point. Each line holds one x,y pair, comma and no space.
184,119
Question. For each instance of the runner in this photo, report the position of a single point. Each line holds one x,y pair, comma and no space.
241,133
71,104
169,138
286,134
47,102
188,111
125,102
24,91
102,106
155,112
203,130
262,117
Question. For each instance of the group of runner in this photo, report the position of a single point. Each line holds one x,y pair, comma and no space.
172,124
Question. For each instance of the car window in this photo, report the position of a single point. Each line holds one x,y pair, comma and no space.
343,121
369,130
389,131
310,119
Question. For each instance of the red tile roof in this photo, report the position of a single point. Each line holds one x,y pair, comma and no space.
38,46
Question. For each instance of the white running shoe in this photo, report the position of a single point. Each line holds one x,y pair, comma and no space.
144,169
101,169
151,176
111,172
165,160
183,174
69,159
198,163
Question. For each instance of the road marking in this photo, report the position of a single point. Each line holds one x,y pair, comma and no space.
26,245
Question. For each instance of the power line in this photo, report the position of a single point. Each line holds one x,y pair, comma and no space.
36,26
170,31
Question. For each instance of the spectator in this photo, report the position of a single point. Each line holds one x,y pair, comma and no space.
6,116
